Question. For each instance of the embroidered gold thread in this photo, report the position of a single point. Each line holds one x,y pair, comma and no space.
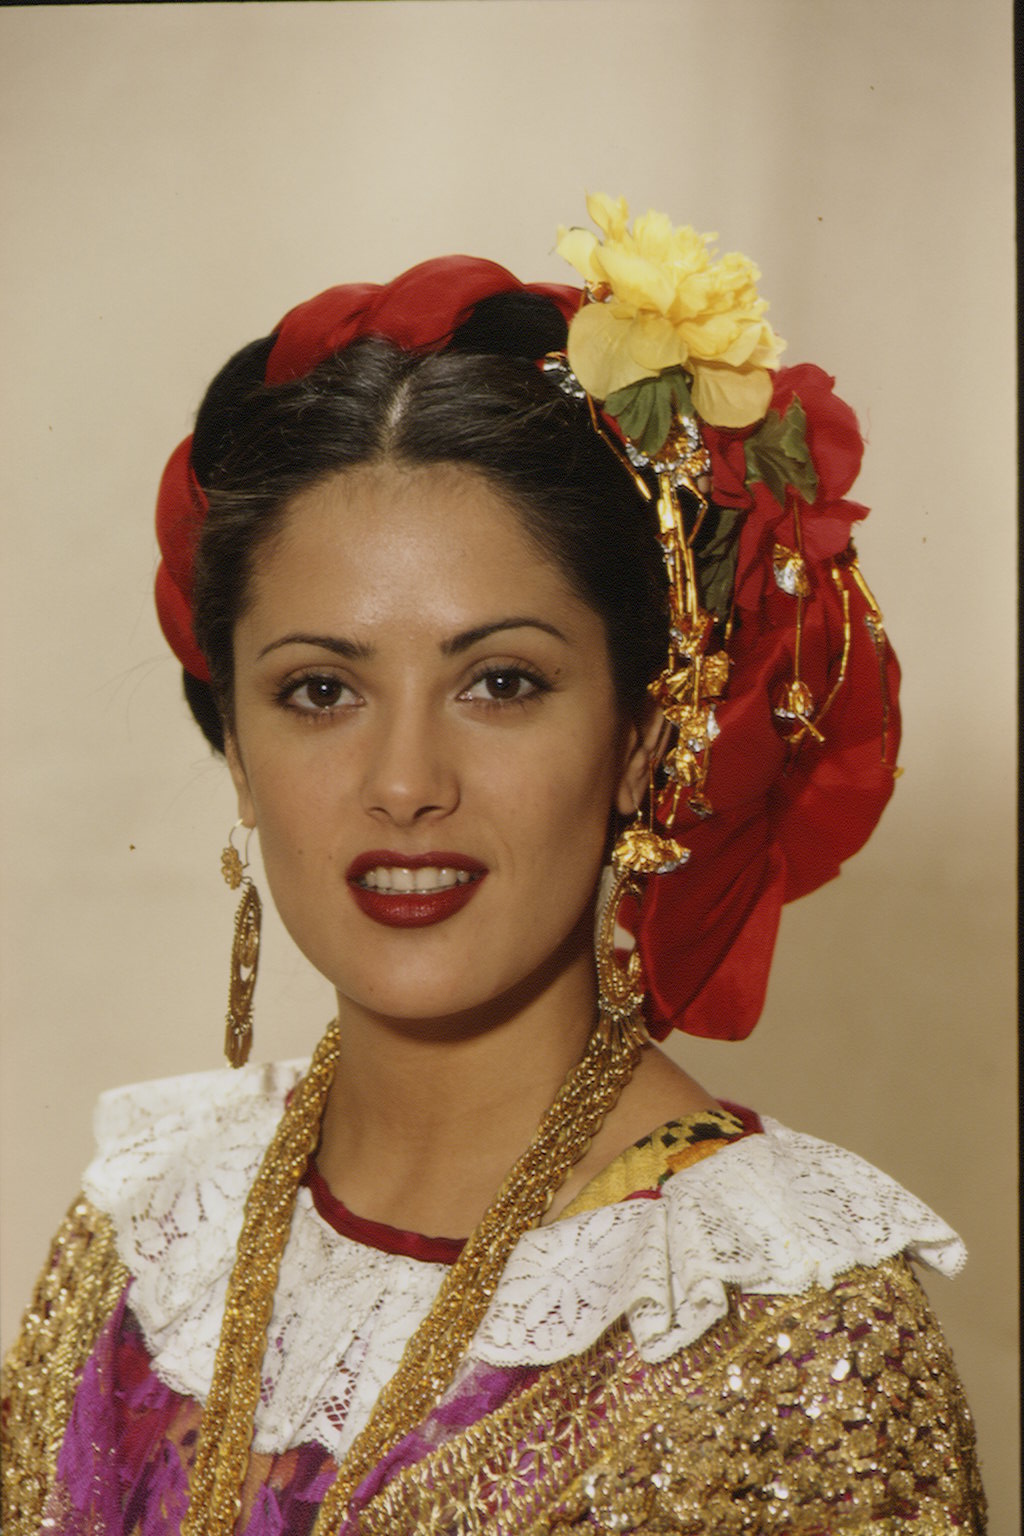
73,1298
834,1410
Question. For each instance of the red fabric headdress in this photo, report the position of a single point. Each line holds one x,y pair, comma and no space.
418,311
788,806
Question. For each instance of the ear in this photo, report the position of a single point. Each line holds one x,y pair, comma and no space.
646,741
240,779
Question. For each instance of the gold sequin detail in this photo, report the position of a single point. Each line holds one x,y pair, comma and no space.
834,1411
73,1298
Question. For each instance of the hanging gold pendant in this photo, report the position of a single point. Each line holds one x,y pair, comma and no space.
245,954
790,571
638,852
644,852
620,986
796,705
231,866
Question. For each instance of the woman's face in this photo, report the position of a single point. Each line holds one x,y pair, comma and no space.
426,736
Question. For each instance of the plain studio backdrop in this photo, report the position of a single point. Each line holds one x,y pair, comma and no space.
176,176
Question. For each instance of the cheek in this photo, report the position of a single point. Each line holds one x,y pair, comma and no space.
302,864
293,812
571,807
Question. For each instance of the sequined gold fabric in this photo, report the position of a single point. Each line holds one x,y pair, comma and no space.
73,1298
834,1413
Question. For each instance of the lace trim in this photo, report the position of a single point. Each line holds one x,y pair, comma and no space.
768,1215
774,1213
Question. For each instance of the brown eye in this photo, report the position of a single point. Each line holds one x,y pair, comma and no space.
323,690
505,685
318,694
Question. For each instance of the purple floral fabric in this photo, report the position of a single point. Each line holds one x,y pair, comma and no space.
481,1390
123,1468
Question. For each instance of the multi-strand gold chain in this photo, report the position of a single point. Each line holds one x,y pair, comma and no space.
433,1353
222,1454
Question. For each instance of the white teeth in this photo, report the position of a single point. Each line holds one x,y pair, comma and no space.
400,880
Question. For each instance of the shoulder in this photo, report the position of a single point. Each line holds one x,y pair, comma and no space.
831,1410
775,1213
173,1165
73,1297
162,1132
834,1410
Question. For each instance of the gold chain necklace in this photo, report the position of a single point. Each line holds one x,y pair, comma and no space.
433,1353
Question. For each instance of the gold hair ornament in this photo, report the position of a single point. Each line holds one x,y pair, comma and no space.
697,667
671,335
245,950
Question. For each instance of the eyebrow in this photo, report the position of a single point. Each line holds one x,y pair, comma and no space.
352,650
469,637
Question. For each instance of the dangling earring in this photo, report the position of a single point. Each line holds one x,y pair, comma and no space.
245,951
638,851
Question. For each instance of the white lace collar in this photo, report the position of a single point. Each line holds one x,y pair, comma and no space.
773,1213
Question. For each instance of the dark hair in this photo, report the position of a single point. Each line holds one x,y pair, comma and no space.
484,403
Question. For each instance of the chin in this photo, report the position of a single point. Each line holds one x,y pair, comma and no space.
465,1003
422,1003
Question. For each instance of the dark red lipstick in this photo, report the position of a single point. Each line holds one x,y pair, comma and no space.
413,909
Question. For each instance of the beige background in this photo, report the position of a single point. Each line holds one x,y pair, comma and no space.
175,177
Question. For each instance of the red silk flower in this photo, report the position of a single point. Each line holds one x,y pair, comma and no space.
836,448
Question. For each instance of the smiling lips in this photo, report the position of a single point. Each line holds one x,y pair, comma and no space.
404,890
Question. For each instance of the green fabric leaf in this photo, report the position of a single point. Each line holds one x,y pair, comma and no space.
633,408
659,421
680,382
716,561
645,410
777,454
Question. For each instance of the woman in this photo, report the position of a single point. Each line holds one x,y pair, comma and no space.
461,635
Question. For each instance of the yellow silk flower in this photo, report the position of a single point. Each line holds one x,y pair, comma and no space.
666,301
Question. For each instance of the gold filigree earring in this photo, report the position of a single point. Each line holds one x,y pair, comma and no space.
245,950
639,851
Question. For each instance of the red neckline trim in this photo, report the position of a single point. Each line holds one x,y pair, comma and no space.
437,1250
377,1234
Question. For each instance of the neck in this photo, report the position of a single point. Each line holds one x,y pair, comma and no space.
425,1117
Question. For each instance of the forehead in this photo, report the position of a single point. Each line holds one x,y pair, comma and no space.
428,545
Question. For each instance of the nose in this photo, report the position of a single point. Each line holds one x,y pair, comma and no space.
410,773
